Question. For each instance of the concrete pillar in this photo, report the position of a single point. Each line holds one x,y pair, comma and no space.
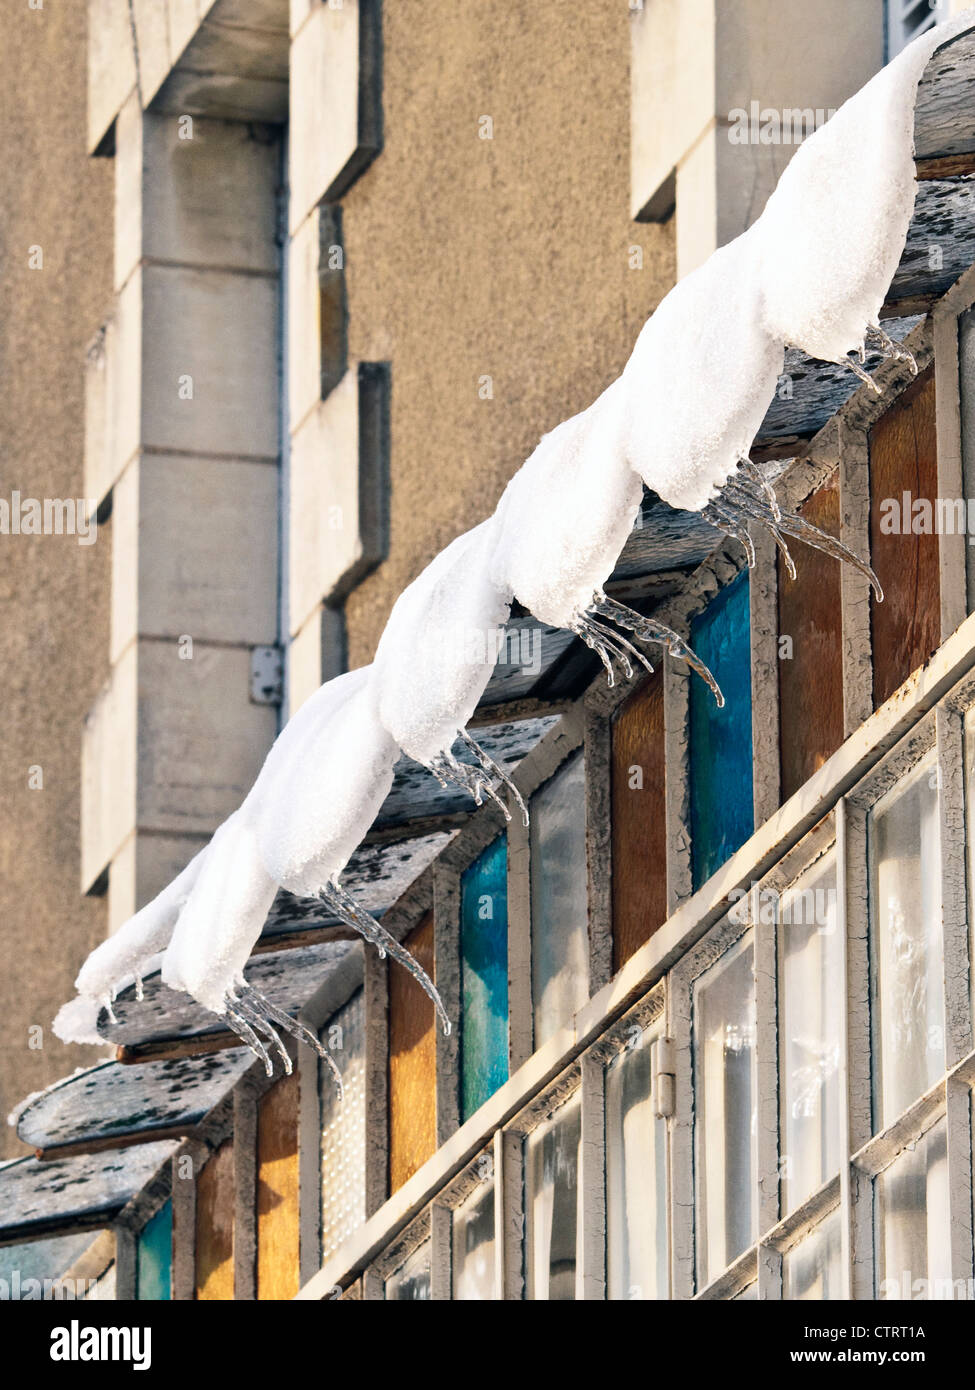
183,446
718,88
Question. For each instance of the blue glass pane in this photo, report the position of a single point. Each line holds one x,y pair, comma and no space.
484,976
155,1256
722,816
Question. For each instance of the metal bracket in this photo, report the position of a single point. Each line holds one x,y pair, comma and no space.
267,676
663,1073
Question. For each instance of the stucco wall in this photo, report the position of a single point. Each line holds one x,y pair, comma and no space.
53,591
505,258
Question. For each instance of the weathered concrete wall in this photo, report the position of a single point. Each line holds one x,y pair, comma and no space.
54,593
503,257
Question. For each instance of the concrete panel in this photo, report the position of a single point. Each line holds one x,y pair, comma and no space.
304,321
108,770
305,662
208,200
324,501
125,561
208,549
335,103
111,65
201,742
217,329
151,24
672,90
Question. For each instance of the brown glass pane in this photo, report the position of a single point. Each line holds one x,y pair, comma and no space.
811,656
906,627
277,1191
215,1226
412,1063
639,821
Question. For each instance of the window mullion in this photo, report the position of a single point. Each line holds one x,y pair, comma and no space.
592,1178
846,1185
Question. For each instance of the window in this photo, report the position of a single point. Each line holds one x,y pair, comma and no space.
154,1257
906,627
810,665
813,1269
214,1245
906,19
412,1063
343,1125
411,1282
639,823
484,976
559,899
552,1204
725,1092
906,942
636,1178
277,1191
811,1022
722,813
913,1222
472,1231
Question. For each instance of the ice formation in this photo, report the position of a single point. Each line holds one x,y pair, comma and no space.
446,629
812,272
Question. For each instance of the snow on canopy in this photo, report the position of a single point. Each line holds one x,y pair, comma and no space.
811,273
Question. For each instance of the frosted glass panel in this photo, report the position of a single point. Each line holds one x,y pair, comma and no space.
812,1003
636,1177
154,1257
722,816
344,1126
905,863
484,976
913,1222
552,1202
559,893
725,1109
411,1282
813,1269
473,1245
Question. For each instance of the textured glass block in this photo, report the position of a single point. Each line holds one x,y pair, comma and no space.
722,815
344,1126
914,1222
906,942
154,1256
636,1181
813,1269
411,1282
812,1003
553,1205
473,1245
559,898
725,1118
484,976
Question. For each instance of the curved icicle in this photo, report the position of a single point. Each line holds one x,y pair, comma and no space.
293,1026
243,1030
650,630
491,767
348,910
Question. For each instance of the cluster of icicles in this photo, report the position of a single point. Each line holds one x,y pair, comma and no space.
811,273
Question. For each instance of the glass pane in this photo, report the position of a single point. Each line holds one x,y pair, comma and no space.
636,1178
411,1282
473,1245
725,1109
552,1200
154,1256
813,1269
722,816
913,1260
25,1269
907,942
812,1000
559,889
344,1126
484,976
